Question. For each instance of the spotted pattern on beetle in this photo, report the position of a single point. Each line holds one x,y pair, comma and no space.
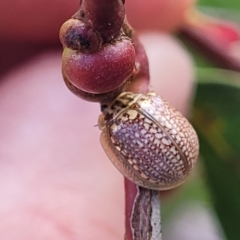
150,142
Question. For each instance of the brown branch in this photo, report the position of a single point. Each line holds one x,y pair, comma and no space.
140,83
105,16
97,26
143,220
142,206
130,195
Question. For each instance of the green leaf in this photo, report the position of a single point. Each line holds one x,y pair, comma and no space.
222,12
234,4
216,117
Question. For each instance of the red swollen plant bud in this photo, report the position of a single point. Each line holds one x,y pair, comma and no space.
91,97
78,35
102,71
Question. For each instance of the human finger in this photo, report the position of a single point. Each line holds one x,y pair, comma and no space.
55,180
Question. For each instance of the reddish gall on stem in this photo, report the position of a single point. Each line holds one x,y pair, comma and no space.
102,71
78,35
91,97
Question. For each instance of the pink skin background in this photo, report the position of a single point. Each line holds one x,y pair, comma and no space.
55,180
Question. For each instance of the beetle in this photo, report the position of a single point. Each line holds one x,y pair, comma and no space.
148,140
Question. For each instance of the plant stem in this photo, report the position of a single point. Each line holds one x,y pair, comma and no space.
102,24
143,220
142,206
106,16
140,83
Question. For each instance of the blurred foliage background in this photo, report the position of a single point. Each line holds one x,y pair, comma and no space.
215,46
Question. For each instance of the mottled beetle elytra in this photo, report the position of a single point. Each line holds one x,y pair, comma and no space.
148,141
